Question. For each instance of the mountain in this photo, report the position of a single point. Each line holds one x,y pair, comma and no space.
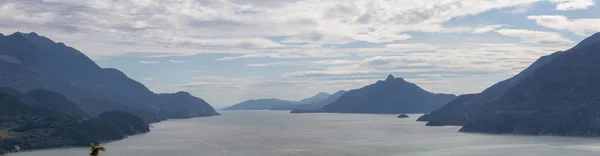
183,105
560,98
319,97
29,61
55,101
278,104
319,104
394,95
46,99
35,126
455,112
264,104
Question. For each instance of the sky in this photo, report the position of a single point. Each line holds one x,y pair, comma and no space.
229,51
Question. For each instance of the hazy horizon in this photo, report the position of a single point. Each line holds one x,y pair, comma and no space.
228,51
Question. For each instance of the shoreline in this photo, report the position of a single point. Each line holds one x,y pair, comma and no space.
41,149
69,147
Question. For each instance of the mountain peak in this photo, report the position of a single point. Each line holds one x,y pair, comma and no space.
594,39
323,94
32,34
320,96
390,77
183,93
340,92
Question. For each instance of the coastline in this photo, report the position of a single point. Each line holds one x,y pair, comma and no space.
41,149
69,147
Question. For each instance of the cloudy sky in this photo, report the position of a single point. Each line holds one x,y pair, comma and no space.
228,51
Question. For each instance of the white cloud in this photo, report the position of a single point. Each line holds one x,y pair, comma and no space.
412,47
298,52
573,4
583,27
295,29
228,42
148,62
319,37
302,63
177,61
487,29
535,36
467,60
149,79
185,27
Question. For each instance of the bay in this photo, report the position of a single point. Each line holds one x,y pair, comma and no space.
278,133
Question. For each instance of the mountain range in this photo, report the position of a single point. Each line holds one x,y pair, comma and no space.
46,119
278,104
263,104
559,98
456,111
319,104
29,61
393,95
557,95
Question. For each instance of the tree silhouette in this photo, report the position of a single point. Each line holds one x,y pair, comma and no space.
96,149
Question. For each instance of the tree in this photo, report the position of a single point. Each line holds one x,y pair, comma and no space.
96,149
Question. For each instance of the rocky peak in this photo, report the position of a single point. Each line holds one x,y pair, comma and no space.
390,78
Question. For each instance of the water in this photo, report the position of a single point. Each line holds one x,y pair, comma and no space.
277,133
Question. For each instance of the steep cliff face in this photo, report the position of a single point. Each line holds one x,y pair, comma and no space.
560,98
394,95
457,110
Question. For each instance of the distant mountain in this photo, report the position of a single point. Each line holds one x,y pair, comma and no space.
456,111
263,104
560,98
319,97
184,105
319,104
394,95
31,125
278,104
29,61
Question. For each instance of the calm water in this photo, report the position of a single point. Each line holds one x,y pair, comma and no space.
276,133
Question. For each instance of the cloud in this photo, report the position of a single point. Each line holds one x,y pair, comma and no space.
319,37
148,62
302,63
375,37
487,29
412,47
583,27
468,60
535,36
228,42
189,27
177,61
297,52
149,79
573,4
